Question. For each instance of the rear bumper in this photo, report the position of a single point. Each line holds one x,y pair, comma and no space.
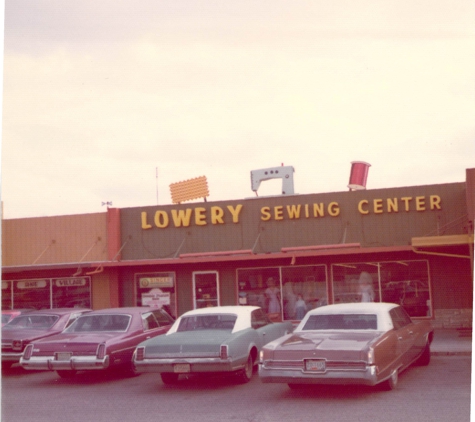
196,365
13,357
367,376
76,363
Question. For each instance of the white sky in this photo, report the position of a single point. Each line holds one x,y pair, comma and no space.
99,94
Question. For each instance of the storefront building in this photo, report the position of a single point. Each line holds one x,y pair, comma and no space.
288,254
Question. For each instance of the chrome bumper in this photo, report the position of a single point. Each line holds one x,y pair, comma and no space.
76,363
196,365
367,376
11,357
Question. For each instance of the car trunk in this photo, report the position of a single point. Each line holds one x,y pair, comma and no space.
188,344
78,344
24,334
331,345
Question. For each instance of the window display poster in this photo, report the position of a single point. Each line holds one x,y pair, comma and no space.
156,298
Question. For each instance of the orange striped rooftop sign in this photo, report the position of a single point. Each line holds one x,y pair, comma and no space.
189,189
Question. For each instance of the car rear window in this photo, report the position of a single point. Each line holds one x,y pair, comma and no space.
207,322
5,318
91,323
32,321
341,322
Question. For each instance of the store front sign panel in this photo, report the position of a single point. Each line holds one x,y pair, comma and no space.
32,284
165,280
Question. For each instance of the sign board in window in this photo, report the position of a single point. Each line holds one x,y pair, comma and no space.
158,281
67,282
32,284
156,299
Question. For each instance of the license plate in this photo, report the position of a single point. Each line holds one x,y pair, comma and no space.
181,368
63,356
315,365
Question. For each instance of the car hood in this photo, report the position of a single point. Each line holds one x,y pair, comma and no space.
328,345
201,341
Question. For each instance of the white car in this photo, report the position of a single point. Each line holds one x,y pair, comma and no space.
216,339
351,343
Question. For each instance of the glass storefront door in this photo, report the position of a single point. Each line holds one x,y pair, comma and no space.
205,289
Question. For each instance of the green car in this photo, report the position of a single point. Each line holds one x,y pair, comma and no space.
217,339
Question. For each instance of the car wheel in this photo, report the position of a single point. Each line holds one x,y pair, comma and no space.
424,359
245,374
66,374
129,370
169,378
391,382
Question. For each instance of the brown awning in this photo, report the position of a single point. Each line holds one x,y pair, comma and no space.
450,245
221,256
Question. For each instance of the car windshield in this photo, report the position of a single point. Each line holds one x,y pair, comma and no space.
207,322
90,323
32,321
341,322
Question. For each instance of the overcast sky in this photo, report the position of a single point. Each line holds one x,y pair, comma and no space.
100,97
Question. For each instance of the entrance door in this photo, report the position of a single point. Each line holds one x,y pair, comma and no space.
205,289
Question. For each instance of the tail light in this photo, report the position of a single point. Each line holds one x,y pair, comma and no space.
223,351
28,352
371,356
101,351
140,353
17,344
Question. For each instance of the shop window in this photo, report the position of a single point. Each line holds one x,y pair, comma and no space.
71,292
7,295
260,287
68,292
32,294
283,292
355,283
156,290
205,289
402,282
304,289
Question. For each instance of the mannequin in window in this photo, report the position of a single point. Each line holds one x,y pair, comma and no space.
300,307
366,287
273,296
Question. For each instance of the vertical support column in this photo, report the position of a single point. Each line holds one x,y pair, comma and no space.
113,234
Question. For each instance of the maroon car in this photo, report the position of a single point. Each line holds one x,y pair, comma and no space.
32,326
98,340
9,314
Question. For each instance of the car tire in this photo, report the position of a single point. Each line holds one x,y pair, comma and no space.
424,358
245,374
129,370
169,378
66,373
391,382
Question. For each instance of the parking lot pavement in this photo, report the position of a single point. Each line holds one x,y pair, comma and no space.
449,342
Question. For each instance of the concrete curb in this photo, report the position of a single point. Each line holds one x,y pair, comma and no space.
451,353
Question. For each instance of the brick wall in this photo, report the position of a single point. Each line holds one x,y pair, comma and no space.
453,318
